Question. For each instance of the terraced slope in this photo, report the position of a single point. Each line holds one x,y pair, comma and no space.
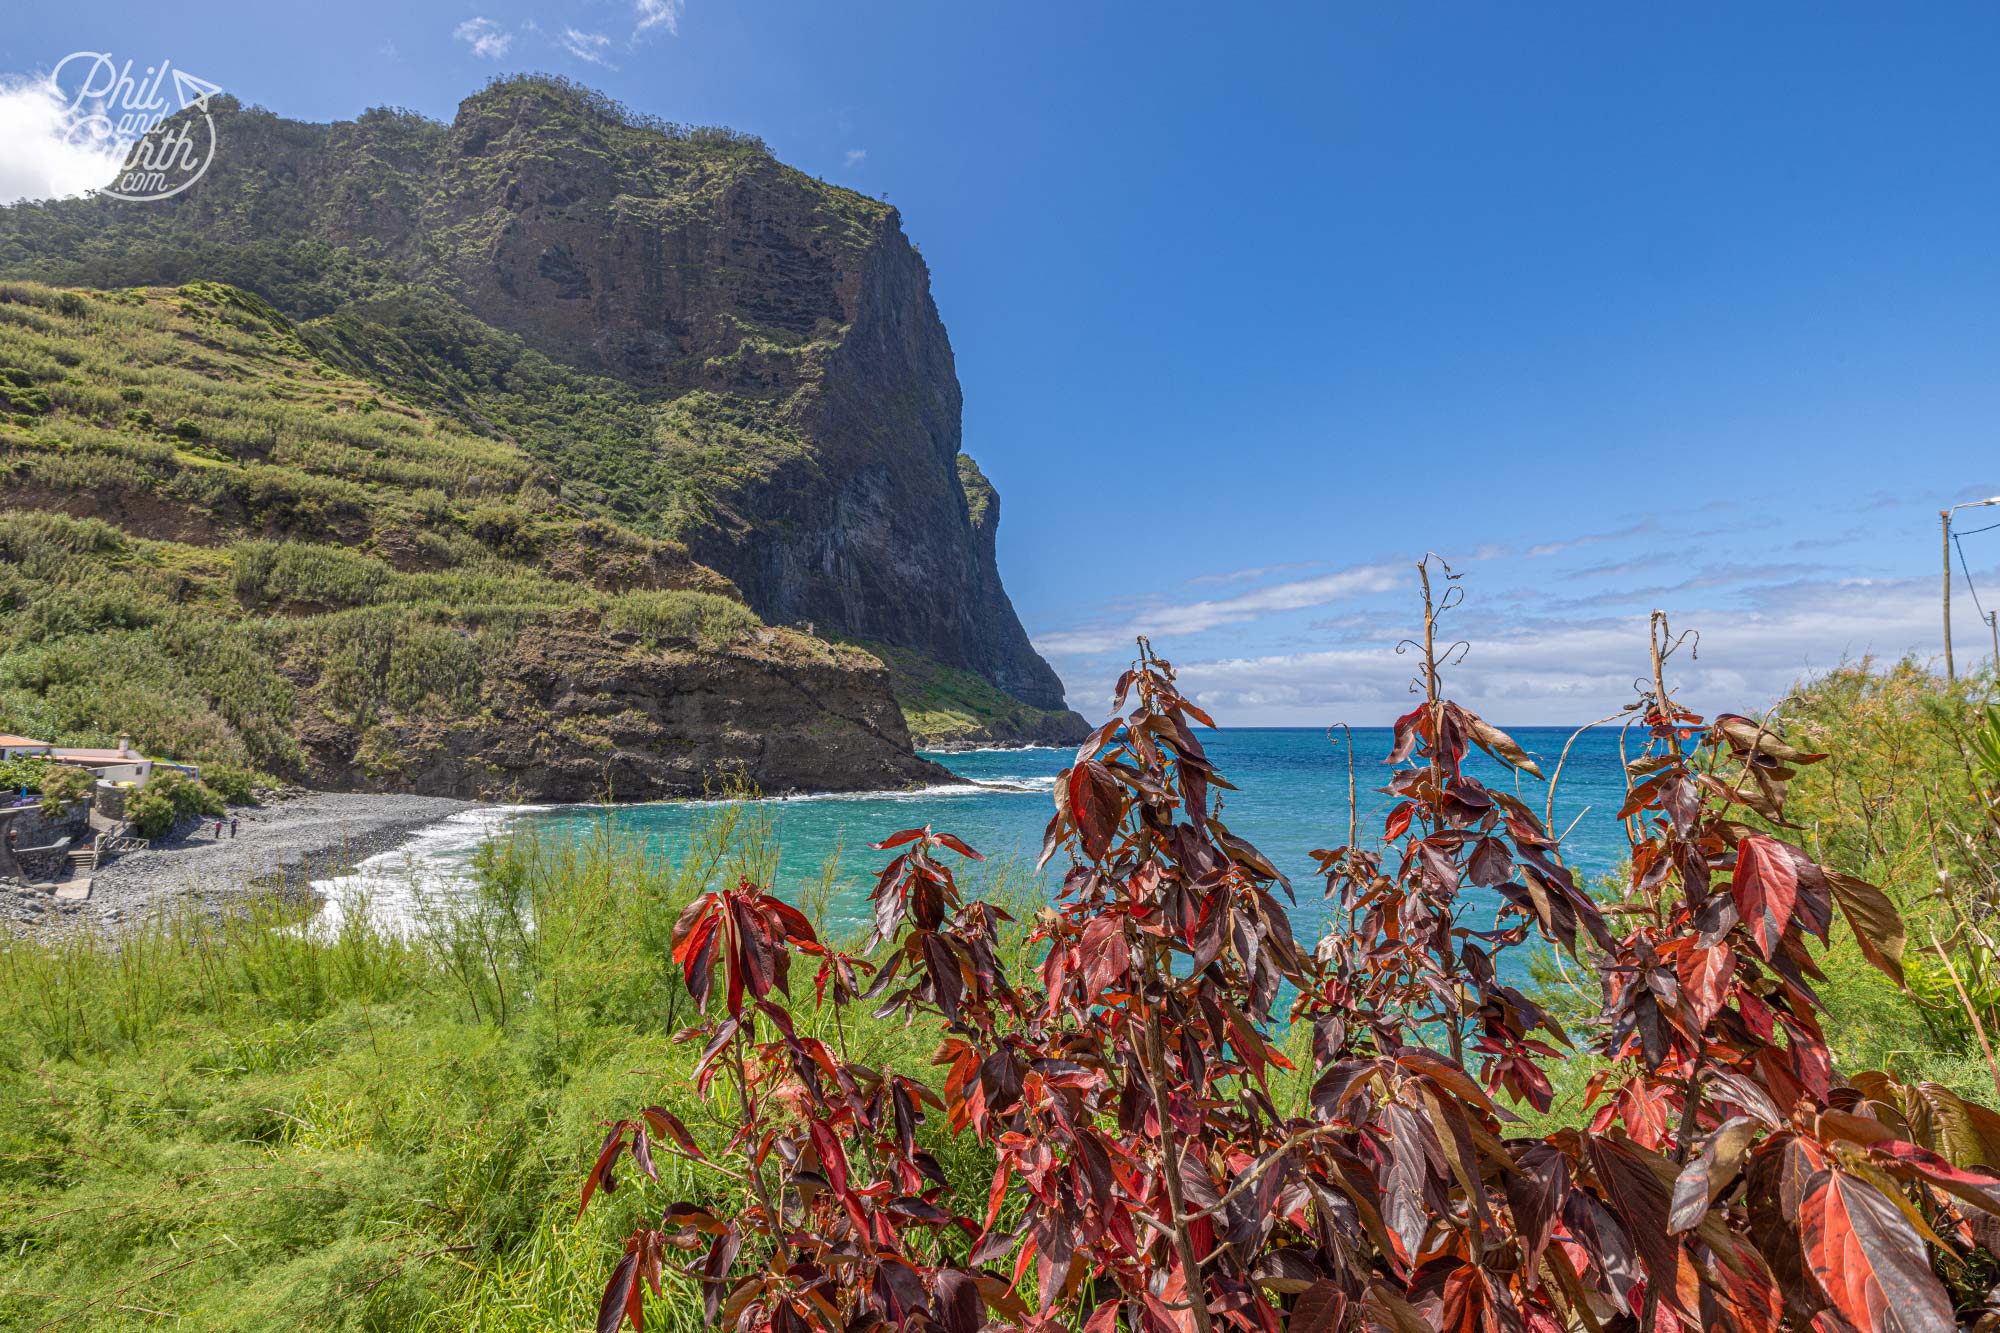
212,537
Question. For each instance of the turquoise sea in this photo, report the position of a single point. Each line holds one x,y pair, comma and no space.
1291,798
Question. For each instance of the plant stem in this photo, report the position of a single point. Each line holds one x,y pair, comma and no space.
1155,1061
756,1168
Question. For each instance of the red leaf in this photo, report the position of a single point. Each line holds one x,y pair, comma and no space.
1868,1259
1766,889
621,1295
601,1170
831,1156
1705,975
664,1121
1398,822
1319,1309
947,840
1096,805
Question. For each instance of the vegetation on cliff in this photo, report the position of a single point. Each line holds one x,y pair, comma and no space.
948,707
220,543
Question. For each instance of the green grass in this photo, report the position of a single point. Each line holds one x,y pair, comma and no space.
1894,804
241,1125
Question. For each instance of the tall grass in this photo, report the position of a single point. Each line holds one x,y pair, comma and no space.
239,1121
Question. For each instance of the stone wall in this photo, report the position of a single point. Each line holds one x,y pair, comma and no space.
32,828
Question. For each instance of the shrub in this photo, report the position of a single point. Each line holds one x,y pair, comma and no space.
168,797
504,528
306,572
1156,1168
24,401
209,487
236,786
432,662
188,428
22,774
63,783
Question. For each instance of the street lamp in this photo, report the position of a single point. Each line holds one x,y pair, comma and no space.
1944,517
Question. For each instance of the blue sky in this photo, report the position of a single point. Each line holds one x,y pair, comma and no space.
1615,307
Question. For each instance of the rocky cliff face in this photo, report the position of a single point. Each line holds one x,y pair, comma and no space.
570,714
780,331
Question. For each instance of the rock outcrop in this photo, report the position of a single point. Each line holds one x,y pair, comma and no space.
572,714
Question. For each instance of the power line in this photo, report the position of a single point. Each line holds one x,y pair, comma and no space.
1965,566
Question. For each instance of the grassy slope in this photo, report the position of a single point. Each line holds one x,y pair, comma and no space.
283,537
249,1128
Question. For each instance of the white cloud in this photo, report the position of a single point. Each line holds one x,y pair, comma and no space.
1193,617
485,38
658,14
1260,571
53,150
1552,673
856,156
587,46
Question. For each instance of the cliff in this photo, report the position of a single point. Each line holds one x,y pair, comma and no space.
690,336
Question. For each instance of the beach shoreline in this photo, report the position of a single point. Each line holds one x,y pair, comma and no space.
281,847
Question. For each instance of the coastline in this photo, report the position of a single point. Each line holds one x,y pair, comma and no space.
984,747
283,846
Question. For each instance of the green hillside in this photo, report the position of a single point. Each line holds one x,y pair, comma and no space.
219,542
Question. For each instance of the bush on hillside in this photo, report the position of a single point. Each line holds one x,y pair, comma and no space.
168,797
236,786
23,774
62,784
306,572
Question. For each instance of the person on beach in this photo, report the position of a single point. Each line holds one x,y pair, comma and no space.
232,826
218,830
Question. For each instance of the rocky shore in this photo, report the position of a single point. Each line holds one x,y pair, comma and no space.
282,846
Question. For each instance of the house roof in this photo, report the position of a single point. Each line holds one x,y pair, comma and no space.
88,756
12,742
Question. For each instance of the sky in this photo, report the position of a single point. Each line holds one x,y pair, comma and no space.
1613,308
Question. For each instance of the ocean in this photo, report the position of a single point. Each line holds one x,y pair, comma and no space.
1291,798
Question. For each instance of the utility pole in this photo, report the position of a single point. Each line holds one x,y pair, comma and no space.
1993,624
1944,521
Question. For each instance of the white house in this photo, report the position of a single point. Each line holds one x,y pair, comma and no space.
121,765
13,747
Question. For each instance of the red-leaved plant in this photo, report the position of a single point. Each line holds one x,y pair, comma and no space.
1728,1180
